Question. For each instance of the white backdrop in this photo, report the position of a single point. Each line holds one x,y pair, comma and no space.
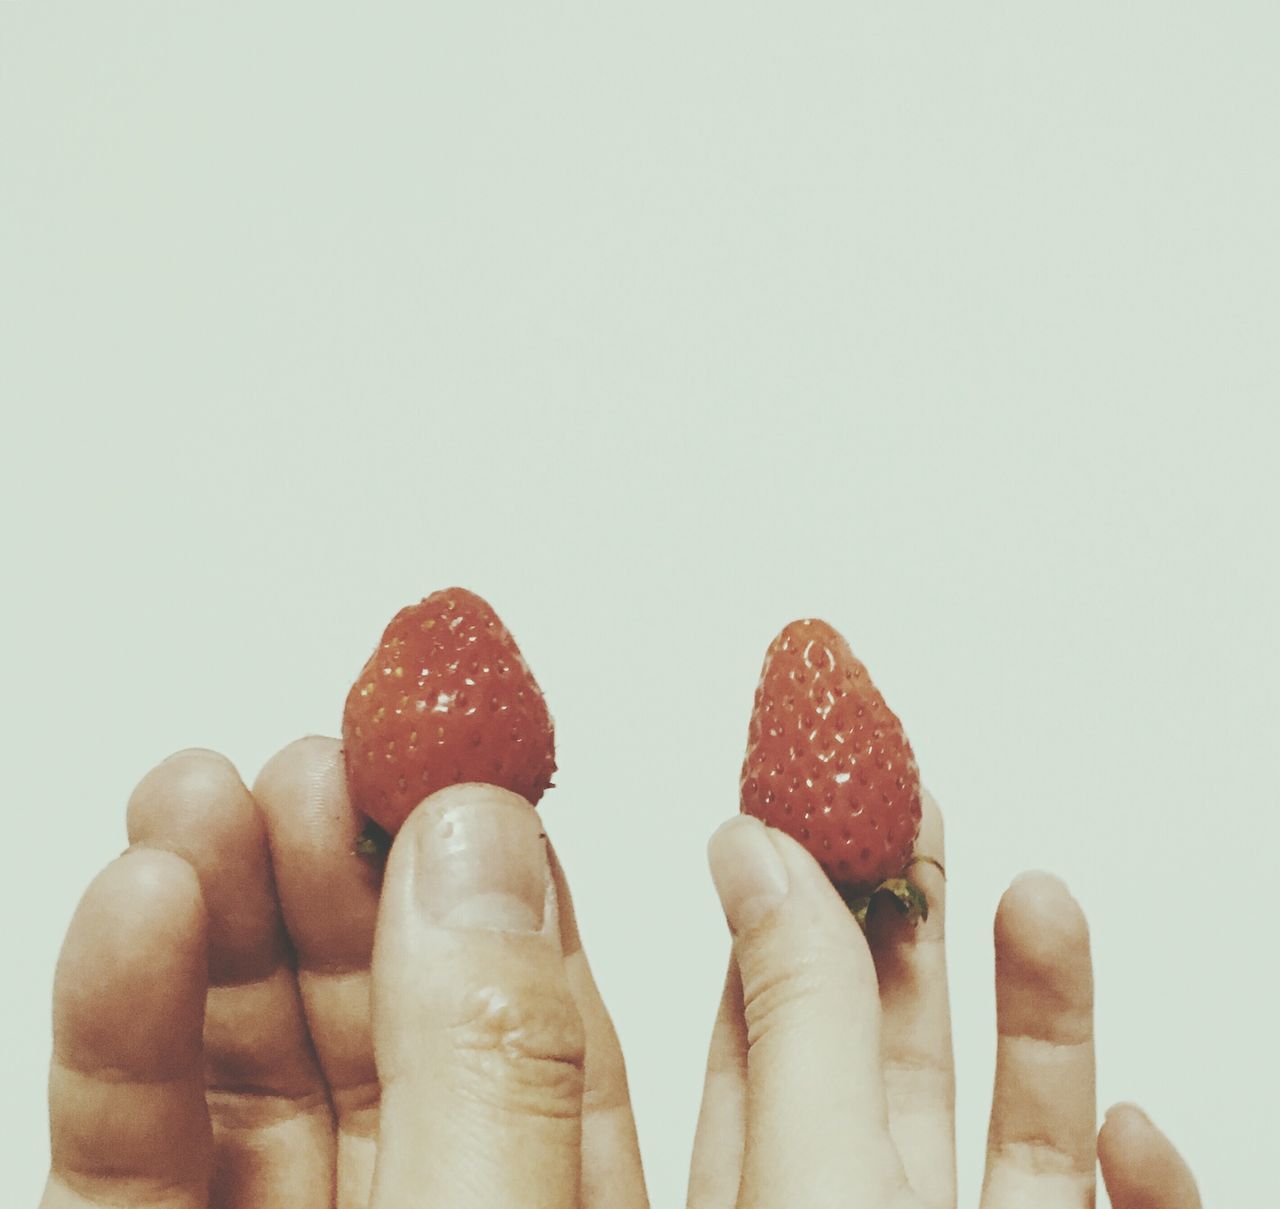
659,325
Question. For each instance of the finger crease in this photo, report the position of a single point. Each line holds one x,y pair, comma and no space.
1048,1043
332,969
249,1107
356,1097
119,1076
257,976
1042,1156
605,1099
110,1188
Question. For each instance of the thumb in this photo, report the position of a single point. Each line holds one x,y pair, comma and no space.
816,1116
478,1043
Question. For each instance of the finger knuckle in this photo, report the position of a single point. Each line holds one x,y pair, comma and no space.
521,1049
776,991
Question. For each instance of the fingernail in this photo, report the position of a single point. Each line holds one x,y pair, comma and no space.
482,863
747,870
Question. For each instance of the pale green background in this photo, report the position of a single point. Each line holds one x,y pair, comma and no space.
660,324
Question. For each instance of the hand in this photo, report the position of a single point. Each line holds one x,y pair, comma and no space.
227,1033
830,1080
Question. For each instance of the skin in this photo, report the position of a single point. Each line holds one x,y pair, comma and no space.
830,1079
247,1015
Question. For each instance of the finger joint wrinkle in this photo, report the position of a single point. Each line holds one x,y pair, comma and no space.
1041,1156
249,1107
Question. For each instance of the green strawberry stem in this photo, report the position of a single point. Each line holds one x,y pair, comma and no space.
373,841
909,898
859,904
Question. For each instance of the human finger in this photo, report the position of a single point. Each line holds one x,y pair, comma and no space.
128,1124
1140,1166
479,1043
1040,1144
612,1173
329,900
816,1112
715,1170
919,1067
272,1124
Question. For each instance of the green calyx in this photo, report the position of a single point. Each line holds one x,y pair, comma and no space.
909,898
373,842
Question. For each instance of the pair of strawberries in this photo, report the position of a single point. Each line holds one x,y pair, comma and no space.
447,698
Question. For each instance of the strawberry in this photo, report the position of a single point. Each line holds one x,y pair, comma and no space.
445,698
828,762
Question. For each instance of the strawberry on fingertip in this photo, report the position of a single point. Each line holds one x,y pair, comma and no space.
446,698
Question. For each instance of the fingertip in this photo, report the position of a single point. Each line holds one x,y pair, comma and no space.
1140,1165
1126,1130
468,851
721,842
801,867
509,811
130,981
301,793
297,766
128,1057
193,801
1039,921
140,889
159,881
194,759
1124,1110
328,891
1038,884
194,771
748,871
1044,970
196,806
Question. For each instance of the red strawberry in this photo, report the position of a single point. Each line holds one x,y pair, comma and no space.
446,698
828,762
